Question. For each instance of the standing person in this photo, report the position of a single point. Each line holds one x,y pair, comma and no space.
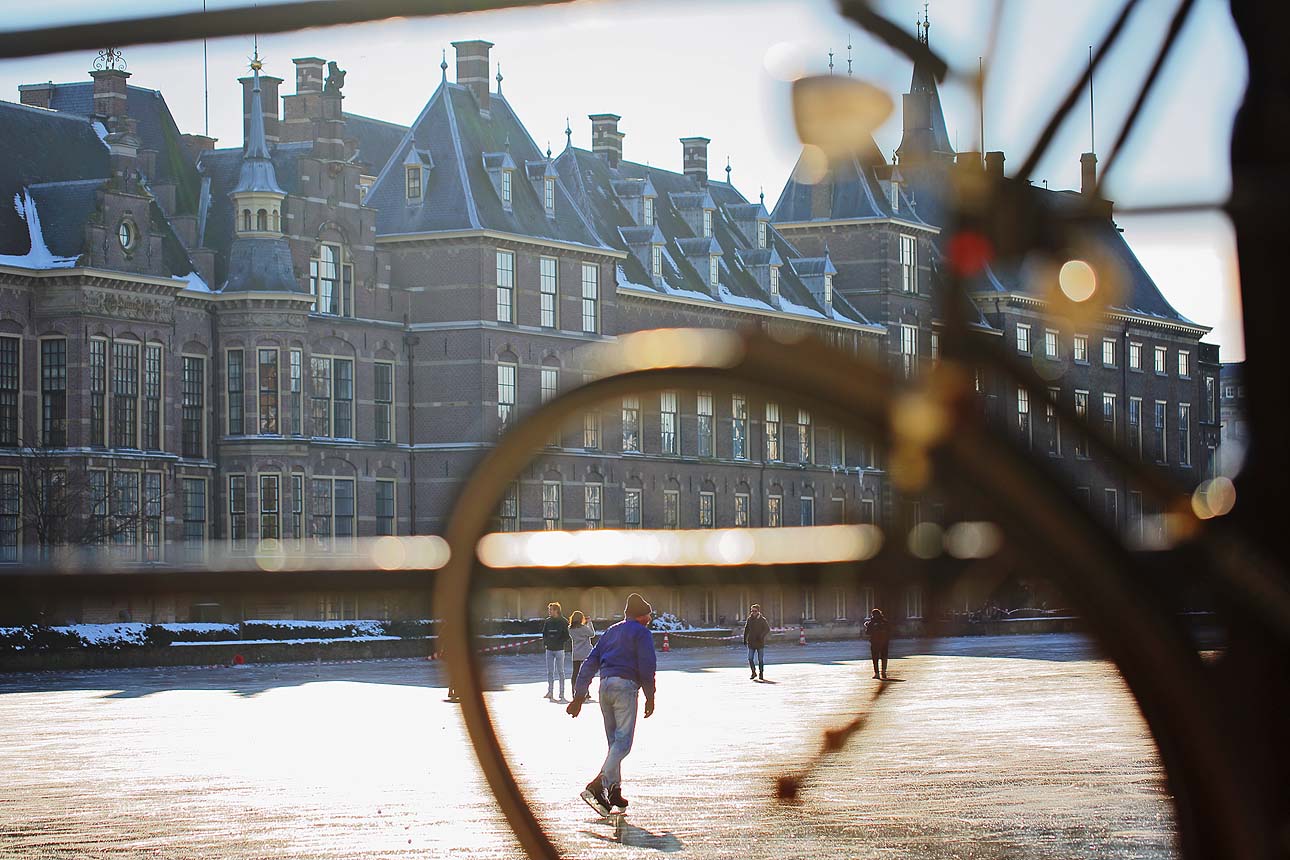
555,638
756,629
583,635
879,632
625,659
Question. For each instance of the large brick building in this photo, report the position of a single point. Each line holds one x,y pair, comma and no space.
311,337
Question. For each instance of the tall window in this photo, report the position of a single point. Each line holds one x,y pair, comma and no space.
742,508
1135,356
808,510
194,534
707,510
331,513
1023,415
1158,441
1133,515
772,432
774,511
125,394
1184,364
593,508
268,399
549,285
548,194
413,185
152,397
671,509
774,282
505,286
297,506
505,396
590,298
98,503
632,508
332,396
761,234
908,264
656,261
707,222
1108,352
9,390
1135,425
10,512
669,423
331,281
508,514
234,382
295,421
591,429
1184,434
714,270
804,436
385,507
1111,501
1023,337
53,393
936,347
648,219
738,427
551,506
124,513
270,507
909,351
237,512
1109,414
631,424
193,406
383,394
1081,412
506,187
1052,348
1080,348
549,382
98,391
706,425
1161,360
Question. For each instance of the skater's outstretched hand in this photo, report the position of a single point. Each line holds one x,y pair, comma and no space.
649,708
575,707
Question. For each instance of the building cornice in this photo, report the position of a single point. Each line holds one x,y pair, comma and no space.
741,309
497,235
851,222
1114,315
87,272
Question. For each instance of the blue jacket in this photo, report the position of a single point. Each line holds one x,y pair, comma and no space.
625,650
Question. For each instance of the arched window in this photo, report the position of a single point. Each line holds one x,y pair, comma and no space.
246,219
277,221
262,220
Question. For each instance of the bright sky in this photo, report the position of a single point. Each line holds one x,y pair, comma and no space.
675,69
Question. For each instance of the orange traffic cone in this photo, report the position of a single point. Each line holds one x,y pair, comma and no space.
666,645
801,636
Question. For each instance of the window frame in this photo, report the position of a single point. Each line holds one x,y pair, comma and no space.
507,385
383,412
386,521
269,499
590,298
908,264
505,281
549,276
1023,338
235,395
1110,348
51,422
274,393
188,411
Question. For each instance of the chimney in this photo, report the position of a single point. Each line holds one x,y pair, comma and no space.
268,104
196,144
309,76
606,139
36,95
110,92
472,69
994,164
1087,173
968,161
694,158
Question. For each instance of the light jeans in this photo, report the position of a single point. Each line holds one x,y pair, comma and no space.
760,655
554,664
618,707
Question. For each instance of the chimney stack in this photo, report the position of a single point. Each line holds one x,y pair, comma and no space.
1087,173
472,69
606,139
994,164
36,95
968,160
309,75
110,92
694,158
268,104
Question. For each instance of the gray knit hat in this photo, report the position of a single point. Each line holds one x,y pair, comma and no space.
636,606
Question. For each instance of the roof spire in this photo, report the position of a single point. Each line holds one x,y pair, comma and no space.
727,170
568,133
927,23
443,63
548,150
763,196
499,79
848,55
257,172
830,61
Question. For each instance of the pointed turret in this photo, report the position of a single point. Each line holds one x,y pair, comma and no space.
925,137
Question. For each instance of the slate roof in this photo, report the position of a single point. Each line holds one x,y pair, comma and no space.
65,207
374,140
858,189
458,193
923,142
261,264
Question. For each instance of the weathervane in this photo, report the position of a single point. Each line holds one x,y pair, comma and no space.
110,58
256,63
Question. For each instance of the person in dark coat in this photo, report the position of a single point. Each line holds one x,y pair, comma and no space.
555,638
878,629
756,629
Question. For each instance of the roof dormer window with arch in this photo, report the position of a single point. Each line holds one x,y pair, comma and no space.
331,280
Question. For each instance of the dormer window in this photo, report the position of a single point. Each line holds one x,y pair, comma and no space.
895,197
761,234
828,290
707,222
774,282
648,220
548,194
506,187
413,182
714,269
656,261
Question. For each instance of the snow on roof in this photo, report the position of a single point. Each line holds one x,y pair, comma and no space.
39,256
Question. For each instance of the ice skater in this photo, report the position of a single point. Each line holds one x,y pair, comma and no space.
624,658
555,638
756,629
879,632
582,633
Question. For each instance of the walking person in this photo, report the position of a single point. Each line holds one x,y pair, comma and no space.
555,638
878,629
583,635
624,658
756,629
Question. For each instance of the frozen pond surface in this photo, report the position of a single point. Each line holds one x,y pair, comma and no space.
1000,747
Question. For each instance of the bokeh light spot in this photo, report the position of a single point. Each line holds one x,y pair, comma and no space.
1077,280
